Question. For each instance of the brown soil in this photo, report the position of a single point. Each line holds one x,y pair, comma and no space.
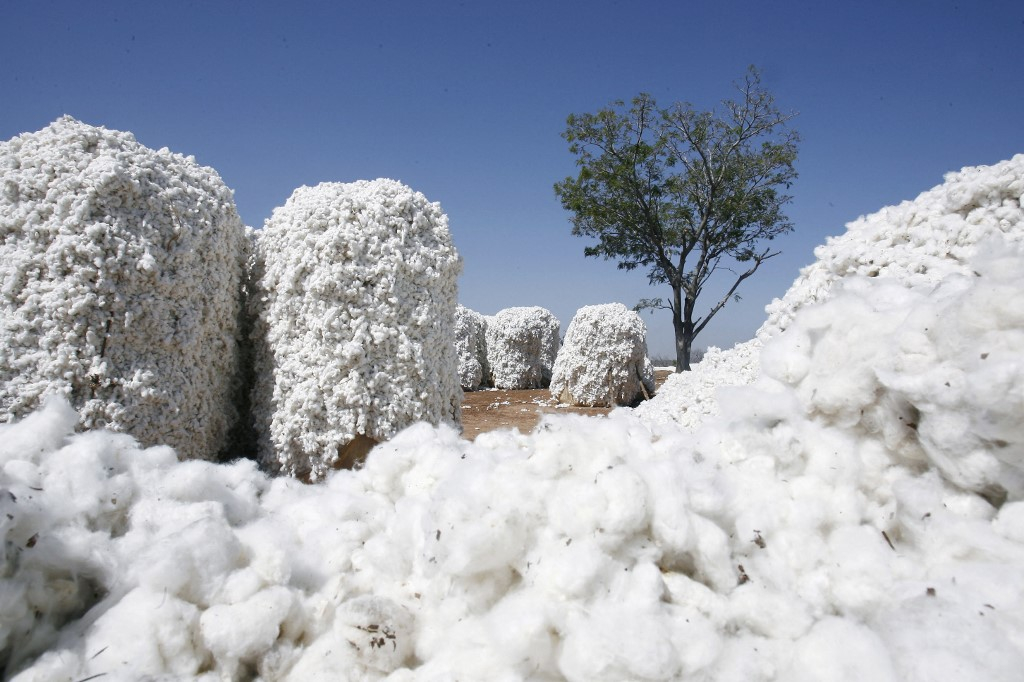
492,409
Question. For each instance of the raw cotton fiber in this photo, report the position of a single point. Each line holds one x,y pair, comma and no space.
916,243
826,525
687,398
471,346
521,347
354,293
603,361
121,270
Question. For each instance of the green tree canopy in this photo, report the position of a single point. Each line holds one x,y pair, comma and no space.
683,193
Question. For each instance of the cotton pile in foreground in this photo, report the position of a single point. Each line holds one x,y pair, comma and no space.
121,270
354,292
916,243
824,526
603,360
521,347
471,347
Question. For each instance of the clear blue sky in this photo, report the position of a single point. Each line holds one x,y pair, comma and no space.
466,102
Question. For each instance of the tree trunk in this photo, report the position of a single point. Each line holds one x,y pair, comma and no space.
682,324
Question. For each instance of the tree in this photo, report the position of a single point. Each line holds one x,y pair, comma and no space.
683,193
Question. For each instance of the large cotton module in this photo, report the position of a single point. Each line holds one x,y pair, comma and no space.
121,269
354,290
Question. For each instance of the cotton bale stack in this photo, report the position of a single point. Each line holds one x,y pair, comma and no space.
121,270
521,347
355,295
471,346
603,361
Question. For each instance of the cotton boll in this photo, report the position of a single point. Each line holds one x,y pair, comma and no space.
236,486
747,658
515,640
185,550
145,634
619,641
841,651
711,554
763,611
671,528
840,381
240,585
567,569
41,431
930,638
614,502
523,635
787,357
270,549
488,542
244,630
379,631
1010,521
861,566
88,479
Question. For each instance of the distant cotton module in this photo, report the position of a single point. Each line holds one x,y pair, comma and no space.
603,360
522,343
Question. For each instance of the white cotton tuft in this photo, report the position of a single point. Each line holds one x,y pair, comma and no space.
603,360
145,634
44,430
246,629
354,293
120,276
841,651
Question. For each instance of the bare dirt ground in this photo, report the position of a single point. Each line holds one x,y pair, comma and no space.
488,410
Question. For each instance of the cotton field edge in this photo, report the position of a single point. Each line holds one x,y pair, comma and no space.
851,508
